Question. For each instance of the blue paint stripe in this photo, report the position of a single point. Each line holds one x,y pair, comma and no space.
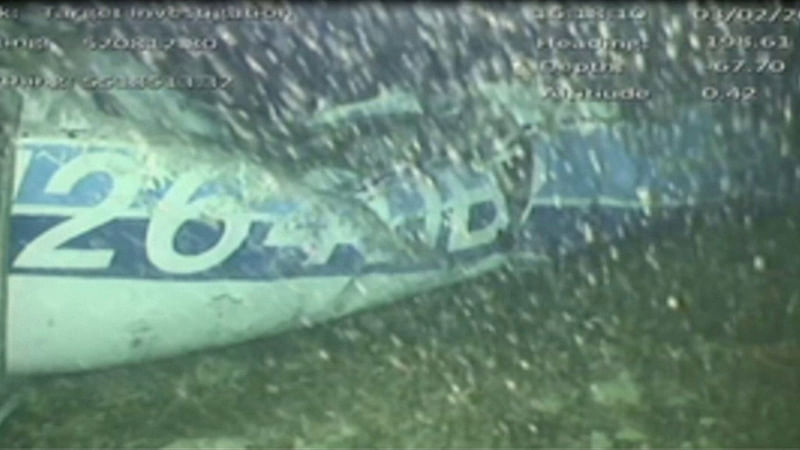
251,261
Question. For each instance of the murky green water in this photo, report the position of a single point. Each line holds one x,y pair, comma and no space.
684,340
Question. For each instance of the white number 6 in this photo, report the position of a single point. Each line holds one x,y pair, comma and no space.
172,213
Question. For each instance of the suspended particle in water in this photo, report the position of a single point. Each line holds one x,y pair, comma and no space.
758,263
677,304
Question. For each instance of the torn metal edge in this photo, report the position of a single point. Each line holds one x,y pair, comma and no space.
10,112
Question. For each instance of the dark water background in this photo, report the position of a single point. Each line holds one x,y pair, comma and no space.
682,339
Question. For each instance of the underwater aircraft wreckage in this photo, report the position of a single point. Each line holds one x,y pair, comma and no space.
125,243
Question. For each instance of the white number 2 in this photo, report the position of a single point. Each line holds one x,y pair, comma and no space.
44,251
